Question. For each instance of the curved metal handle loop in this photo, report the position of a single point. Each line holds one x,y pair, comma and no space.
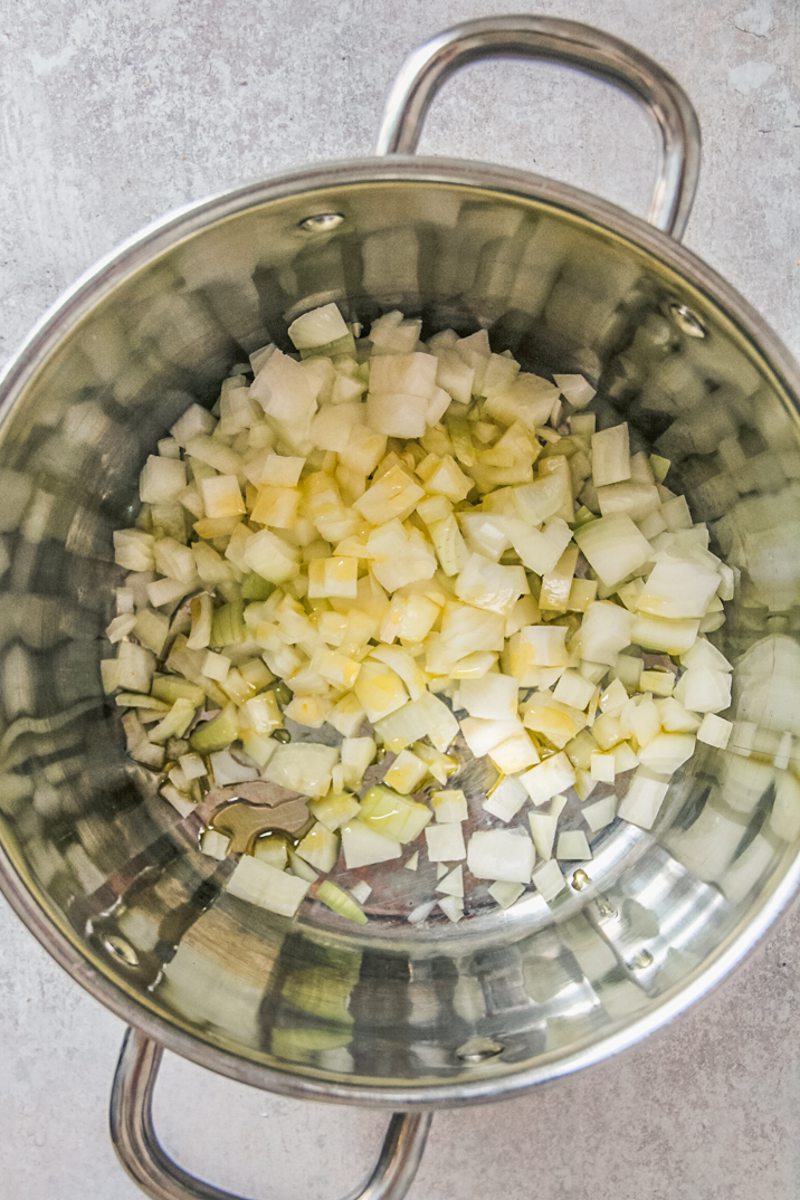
580,46
149,1165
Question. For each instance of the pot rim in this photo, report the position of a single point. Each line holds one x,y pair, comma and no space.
139,251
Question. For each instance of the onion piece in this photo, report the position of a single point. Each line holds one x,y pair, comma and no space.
501,854
406,772
302,767
449,805
666,752
445,842
392,815
600,814
550,777
363,846
572,844
452,884
421,912
714,731
548,880
319,848
611,461
506,798
265,886
575,389
644,798
212,843
678,589
453,908
614,547
505,893
703,690
543,832
319,327
384,577
338,901
482,736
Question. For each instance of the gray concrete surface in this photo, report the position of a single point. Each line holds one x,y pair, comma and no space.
114,112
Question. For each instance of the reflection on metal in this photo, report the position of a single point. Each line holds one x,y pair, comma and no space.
89,851
312,1007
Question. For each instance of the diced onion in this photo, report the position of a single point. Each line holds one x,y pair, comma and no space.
572,844
445,842
266,886
364,846
501,854
548,880
378,536
506,799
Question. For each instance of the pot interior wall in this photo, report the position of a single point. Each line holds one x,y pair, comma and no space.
113,866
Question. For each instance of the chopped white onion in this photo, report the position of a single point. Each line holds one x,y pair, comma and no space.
600,814
543,832
364,846
548,778
266,886
501,854
644,798
504,893
572,844
452,884
506,799
548,880
391,582
445,842
714,731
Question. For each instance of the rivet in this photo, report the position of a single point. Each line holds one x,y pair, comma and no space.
118,948
321,222
686,320
479,1050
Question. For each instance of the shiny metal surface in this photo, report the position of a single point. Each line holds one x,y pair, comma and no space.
580,46
102,871
91,856
149,1165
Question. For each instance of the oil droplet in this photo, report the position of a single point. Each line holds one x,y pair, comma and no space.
641,961
245,823
282,735
580,880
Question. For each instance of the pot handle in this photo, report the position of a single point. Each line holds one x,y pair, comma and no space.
579,46
144,1158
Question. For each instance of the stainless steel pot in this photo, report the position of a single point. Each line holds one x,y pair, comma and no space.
101,870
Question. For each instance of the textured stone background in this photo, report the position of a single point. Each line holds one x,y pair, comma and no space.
113,112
